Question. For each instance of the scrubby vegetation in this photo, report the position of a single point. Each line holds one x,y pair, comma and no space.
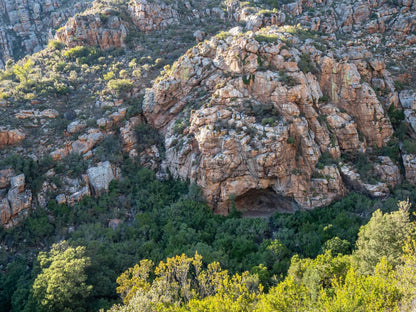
143,218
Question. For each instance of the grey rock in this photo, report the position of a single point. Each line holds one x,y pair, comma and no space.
100,177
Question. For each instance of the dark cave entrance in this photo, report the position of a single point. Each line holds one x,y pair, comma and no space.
263,203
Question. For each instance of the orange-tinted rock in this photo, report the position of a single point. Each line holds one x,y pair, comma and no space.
10,137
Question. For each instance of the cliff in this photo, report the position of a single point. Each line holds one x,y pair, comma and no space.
265,108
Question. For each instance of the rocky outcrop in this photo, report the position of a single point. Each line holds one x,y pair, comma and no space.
95,182
240,115
76,126
353,179
82,145
112,119
26,26
10,137
387,171
94,29
128,136
152,15
47,113
17,200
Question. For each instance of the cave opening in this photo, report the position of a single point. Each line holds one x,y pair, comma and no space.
263,203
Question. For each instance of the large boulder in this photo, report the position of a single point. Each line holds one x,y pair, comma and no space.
100,177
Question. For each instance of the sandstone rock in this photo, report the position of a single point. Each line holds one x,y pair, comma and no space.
77,196
230,150
112,120
76,126
155,15
18,182
16,203
409,163
5,176
408,99
87,141
47,113
128,136
100,177
387,171
90,28
5,212
326,186
10,137
19,200
353,179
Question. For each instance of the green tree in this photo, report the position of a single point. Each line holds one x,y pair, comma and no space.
61,284
383,236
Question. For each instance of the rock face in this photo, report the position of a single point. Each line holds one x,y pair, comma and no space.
17,200
94,29
239,115
258,115
26,26
100,177
409,163
10,137
152,15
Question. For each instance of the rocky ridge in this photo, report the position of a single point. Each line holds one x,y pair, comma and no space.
262,123
289,108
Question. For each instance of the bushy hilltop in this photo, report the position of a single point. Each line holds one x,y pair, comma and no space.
280,106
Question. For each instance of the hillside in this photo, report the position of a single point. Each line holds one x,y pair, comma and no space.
253,109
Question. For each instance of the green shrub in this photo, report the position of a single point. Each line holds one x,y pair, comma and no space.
268,38
148,136
305,64
76,52
222,35
56,44
291,140
120,86
325,159
409,146
287,79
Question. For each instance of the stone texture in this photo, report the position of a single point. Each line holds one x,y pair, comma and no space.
86,142
152,15
388,171
409,163
10,137
92,29
256,130
26,26
16,202
77,196
76,126
100,177
5,176
47,113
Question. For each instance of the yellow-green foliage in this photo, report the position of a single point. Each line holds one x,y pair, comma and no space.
108,76
326,283
120,85
61,285
78,51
